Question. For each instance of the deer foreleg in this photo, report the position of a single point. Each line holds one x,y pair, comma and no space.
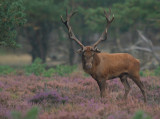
102,87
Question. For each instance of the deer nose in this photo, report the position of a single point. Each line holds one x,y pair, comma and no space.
88,65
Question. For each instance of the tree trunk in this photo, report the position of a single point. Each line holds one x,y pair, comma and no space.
71,52
38,40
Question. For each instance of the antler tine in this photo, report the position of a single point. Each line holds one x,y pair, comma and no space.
67,24
66,12
109,11
104,34
108,15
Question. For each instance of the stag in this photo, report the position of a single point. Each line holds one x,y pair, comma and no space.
105,66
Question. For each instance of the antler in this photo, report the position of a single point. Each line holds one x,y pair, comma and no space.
104,34
70,32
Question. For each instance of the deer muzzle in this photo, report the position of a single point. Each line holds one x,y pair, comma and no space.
88,65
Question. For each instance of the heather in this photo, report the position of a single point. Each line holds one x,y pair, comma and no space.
75,96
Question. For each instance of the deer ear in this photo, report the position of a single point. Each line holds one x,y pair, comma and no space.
97,50
79,51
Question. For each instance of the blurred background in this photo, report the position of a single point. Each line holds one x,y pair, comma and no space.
31,29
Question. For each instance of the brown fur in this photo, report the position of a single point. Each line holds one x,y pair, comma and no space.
107,66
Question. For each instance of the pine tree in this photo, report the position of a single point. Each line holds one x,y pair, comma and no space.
11,17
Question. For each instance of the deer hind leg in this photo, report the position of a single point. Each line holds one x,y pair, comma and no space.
126,85
138,82
102,87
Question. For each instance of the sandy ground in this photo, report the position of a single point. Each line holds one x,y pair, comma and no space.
22,60
15,60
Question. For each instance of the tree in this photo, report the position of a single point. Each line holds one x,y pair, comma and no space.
11,17
139,14
43,17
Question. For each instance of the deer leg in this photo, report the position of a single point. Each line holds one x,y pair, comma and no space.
102,86
138,82
126,85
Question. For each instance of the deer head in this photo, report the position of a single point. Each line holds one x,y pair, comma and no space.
87,51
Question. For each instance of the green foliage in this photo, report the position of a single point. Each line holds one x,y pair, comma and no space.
5,70
49,72
157,71
44,11
137,13
1,89
146,73
60,70
94,19
140,115
65,69
16,115
36,67
141,73
128,14
31,114
11,17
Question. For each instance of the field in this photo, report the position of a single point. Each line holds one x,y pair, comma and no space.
75,96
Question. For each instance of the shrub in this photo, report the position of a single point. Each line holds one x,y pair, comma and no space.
36,67
39,69
147,73
140,115
65,69
5,70
53,97
49,72
141,73
157,71
31,114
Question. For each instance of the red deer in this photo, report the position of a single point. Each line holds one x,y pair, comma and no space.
105,66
